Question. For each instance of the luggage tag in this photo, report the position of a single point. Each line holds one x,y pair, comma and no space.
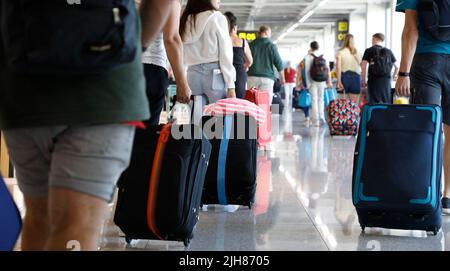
180,114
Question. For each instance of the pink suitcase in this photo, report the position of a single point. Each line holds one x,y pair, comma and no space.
262,99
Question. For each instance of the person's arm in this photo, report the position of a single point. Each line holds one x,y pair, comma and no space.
330,83
248,56
226,55
278,64
299,81
396,70
364,73
339,71
174,48
282,78
153,15
409,44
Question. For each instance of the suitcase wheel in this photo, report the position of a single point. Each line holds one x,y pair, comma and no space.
187,242
363,228
128,240
434,230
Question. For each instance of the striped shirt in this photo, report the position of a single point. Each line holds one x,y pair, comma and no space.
231,106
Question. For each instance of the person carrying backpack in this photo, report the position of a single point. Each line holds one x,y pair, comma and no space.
424,65
68,103
318,77
380,60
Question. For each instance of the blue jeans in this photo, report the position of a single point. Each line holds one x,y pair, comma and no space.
206,80
306,111
352,82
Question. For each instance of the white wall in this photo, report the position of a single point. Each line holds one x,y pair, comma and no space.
376,21
326,39
398,21
294,54
358,30
329,46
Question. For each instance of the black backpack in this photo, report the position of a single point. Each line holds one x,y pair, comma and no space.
435,16
319,69
381,63
68,37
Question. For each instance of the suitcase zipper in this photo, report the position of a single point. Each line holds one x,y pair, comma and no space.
193,196
192,208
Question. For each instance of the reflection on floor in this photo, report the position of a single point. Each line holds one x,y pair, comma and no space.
303,203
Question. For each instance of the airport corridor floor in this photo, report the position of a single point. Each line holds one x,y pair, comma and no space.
303,203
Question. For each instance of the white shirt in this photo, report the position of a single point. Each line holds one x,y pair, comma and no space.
210,42
156,53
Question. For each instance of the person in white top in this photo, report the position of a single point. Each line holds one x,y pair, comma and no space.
166,46
208,50
316,88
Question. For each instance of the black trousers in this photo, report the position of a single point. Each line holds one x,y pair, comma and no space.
430,77
157,82
379,90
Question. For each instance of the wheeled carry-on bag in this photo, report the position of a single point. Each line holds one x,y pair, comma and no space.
343,117
160,193
397,167
11,221
262,99
231,175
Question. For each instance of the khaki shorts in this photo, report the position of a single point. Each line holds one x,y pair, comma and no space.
86,159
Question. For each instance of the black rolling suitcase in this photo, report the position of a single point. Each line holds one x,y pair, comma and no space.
159,194
277,104
397,167
231,175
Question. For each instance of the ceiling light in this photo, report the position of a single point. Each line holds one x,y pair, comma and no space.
304,18
323,2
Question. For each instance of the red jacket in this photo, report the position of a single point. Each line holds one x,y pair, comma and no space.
289,75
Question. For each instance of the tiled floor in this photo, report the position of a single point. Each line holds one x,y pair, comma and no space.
303,203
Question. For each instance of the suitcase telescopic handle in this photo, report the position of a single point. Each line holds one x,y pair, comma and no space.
412,96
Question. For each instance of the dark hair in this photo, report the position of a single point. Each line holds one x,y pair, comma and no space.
314,45
263,29
232,20
193,7
379,36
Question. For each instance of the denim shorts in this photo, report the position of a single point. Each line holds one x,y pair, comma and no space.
430,77
207,80
352,82
86,159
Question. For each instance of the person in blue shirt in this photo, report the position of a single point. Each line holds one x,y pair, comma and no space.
425,67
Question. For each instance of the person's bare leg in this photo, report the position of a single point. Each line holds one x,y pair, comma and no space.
447,161
354,97
75,217
35,225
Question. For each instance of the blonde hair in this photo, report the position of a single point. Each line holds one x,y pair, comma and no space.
348,44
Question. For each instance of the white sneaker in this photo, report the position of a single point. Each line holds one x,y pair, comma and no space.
307,122
231,208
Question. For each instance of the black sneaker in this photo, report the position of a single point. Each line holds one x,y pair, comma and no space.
446,206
